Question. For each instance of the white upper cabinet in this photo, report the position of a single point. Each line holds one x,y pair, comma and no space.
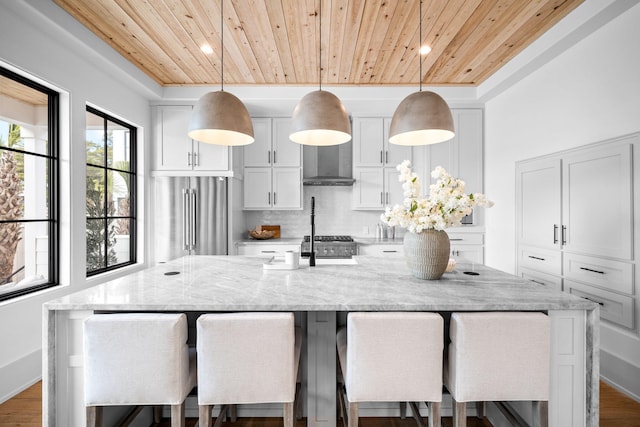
597,202
272,167
538,203
176,152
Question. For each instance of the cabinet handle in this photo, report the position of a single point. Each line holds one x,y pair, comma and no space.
387,194
274,199
189,159
381,160
386,157
269,198
268,252
274,157
536,257
382,198
196,159
564,234
592,271
390,252
269,156
592,300
456,240
555,233
539,283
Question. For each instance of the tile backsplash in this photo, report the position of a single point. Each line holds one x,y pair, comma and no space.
334,215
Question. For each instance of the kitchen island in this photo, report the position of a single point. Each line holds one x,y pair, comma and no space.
318,295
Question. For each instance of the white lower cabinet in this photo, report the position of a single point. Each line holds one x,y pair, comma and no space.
467,247
381,249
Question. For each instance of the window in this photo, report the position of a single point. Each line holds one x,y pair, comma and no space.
110,186
28,186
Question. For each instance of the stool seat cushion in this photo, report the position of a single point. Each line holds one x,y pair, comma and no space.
394,356
247,358
498,356
137,359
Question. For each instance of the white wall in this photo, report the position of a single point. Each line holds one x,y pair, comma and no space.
35,45
587,94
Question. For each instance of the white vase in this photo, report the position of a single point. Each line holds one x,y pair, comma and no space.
427,253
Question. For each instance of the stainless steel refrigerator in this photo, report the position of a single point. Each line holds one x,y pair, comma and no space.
191,217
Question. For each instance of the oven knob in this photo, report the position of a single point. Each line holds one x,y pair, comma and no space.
325,251
332,251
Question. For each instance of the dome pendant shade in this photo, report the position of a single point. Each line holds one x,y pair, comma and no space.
221,118
422,118
320,119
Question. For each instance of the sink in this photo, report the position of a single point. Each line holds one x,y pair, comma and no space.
330,261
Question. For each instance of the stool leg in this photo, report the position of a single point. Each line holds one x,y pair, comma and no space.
289,419
481,409
459,413
435,414
177,415
204,415
233,413
541,413
94,416
353,414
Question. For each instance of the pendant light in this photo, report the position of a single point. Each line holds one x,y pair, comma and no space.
422,118
219,117
320,118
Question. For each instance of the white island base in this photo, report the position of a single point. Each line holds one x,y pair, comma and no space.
320,297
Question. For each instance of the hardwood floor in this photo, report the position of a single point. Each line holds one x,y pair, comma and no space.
616,410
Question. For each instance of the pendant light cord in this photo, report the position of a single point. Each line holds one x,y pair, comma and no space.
420,47
222,44
320,49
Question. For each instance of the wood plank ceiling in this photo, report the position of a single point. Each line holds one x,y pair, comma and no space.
275,42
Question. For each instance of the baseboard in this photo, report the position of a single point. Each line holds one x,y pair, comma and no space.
19,375
620,374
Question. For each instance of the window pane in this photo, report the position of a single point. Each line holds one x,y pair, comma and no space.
95,140
118,146
118,193
96,249
95,192
24,260
23,186
120,228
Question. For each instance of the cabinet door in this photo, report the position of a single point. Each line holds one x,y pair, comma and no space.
368,142
284,151
469,137
174,147
597,198
538,203
394,154
369,188
259,153
394,194
257,188
287,188
210,157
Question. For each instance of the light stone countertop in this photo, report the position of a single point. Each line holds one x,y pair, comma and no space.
239,283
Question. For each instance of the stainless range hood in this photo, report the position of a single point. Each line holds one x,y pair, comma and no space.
330,165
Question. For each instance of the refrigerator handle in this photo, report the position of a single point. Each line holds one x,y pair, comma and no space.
185,218
194,204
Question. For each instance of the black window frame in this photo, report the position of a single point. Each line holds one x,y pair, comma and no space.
133,206
53,211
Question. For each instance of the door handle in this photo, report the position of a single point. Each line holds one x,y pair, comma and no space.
185,218
194,217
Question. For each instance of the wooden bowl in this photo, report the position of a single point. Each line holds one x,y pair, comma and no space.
262,235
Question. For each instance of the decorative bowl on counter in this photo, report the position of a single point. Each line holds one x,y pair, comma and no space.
261,234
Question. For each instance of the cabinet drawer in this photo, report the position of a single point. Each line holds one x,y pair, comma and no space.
544,279
465,238
612,275
381,250
266,250
545,260
614,307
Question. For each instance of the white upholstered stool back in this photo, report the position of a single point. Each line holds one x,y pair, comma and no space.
137,359
498,356
393,357
247,358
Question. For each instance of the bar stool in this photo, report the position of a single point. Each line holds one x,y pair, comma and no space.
247,358
391,357
137,359
498,356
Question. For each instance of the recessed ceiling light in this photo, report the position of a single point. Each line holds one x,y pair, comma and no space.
424,49
206,49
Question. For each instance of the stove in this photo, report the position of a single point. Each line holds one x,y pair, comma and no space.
331,246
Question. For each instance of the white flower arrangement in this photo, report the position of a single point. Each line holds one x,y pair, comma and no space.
446,205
